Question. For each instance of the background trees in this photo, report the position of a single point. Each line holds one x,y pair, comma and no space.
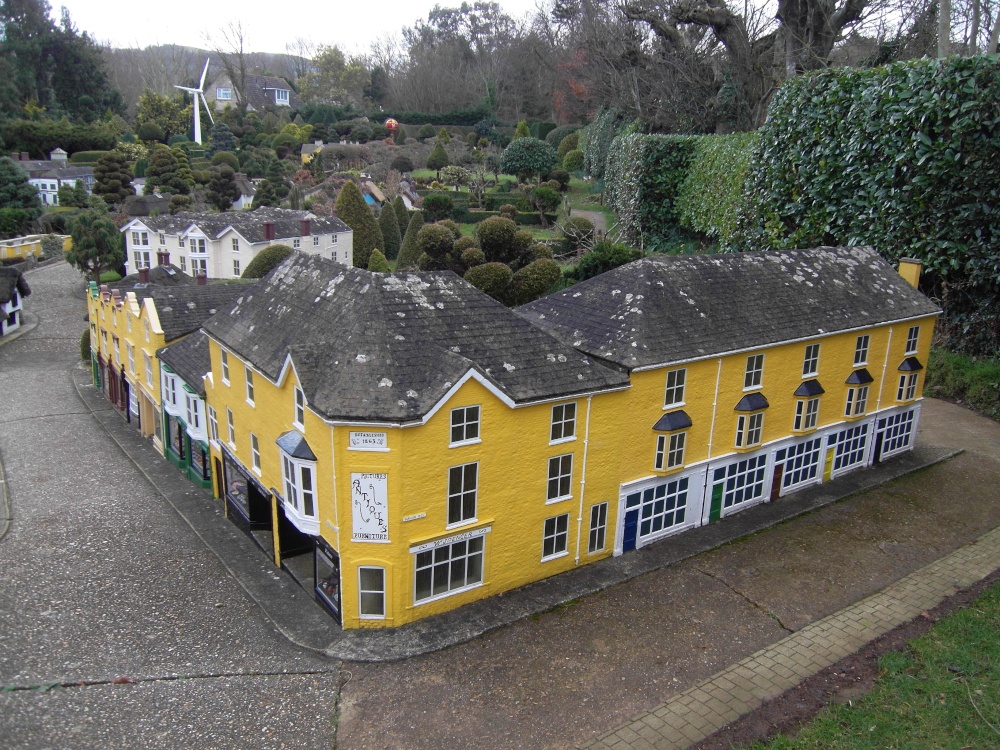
98,246
19,203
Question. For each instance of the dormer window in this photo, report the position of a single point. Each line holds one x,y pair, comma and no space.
281,97
223,94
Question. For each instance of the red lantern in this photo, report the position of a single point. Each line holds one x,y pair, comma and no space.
391,125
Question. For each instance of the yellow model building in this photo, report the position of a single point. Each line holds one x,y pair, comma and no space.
404,445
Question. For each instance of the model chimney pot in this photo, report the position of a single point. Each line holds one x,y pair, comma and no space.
269,231
909,269
143,275
202,279
162,258
305,228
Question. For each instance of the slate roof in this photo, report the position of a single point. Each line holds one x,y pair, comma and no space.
10,279
665,309
168,275
190,359
388,347
182,310
250,224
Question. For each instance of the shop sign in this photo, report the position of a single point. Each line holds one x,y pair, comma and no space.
368,441
370,507
451,540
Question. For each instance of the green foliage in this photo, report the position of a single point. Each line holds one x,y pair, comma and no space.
378,263
576,232
528,156
496,237
402,164
540,130
426,131
452,227
437,242
73,196
409,251
443,136
52,246
570,143
471,256
84,158
40,137
642,182
545,199
573,161
97,244
555,136
168,114
222,190
521,131
491,278
85,346
264,261
438,206
264,195
353,211
223,139
389,224
438,158
402,216
463,116
179,202
597,141
508,211
228,158
710,196
959,377
561,176
605,256
18,198
534,280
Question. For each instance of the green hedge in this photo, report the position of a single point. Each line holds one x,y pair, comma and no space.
709,198
974,380
468,116
903,158
87,158
474,216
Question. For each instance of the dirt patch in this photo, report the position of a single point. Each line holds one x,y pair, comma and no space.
847,680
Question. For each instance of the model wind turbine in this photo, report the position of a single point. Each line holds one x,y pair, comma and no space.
199,92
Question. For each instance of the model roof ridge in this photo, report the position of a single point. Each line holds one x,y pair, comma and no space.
665,309
390,347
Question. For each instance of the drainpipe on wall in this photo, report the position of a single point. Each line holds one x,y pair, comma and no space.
885,365
583,481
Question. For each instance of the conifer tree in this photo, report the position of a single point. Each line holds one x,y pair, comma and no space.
389,225
378,263
222,188
161,172
112,180
353,211
438,158
402,216
184,180
409,252
264,195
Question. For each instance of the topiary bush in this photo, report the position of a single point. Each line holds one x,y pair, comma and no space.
491,278
471,256
576,232
573,161
436,242
85,346
555,136
378,263
438,206
265,261
227,158
497,239
605,256
534,280
409,252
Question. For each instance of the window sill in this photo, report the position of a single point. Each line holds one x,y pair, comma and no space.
753,388
806,375
678,405
250,404
555,500
460,524
460,443
669,469
436,597
560,441
556,556
255,470
747,448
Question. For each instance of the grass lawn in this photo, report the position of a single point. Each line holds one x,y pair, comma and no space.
942,692
110,277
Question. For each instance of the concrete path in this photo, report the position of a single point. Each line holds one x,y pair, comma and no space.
100,583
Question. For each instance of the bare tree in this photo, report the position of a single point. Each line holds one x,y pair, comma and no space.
230,47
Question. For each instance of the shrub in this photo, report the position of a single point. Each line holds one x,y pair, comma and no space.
573,161
438,206
389,225
463,243
576,232
178,138
377,262
491,278
528,156
409,252
353,211
496,237
508,211
437,242
85,346
570,143
471,256
605,256
264,261
599,137
555,136
438,158
227,158
402,164
534,280
426,131
561,177
452,227
86,157
150,131
974,380
541,250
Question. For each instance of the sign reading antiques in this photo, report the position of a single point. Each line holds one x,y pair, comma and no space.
370,507
368,441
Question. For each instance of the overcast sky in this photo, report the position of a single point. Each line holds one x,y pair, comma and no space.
350,25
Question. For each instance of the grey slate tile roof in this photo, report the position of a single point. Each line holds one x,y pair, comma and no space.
10,279
182,310
666,309
250,224
190,359
168,275
388,347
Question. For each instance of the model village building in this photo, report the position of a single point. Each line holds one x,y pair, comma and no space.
404,445
221,245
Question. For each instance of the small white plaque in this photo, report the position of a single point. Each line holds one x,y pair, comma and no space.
368,441
414,517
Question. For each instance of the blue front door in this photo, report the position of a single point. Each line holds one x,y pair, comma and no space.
631,529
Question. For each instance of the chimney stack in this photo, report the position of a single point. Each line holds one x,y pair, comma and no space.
143,275
202,279
269,231
305,227
162,258
909,269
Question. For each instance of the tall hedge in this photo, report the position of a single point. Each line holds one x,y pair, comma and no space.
904,158
353,211
409,251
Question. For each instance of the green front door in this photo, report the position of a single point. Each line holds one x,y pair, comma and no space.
715,511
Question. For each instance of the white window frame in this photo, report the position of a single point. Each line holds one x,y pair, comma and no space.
281,97
130,353
810,361
213,425
465,420
749,429
236,244
861,347
669,451
673,394
301,500
857,401
299,413
184,267
224,93
753,375
460,490
224,360
315,240
232,428
141,259
913,340
371,596
806,414
598,528
199,266
556,531
441,559
236,267
148,364
194,404
562,427
249,384
560,478
255,453
907,390
296,243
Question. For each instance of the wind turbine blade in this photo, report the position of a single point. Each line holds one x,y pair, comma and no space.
201,85
207,108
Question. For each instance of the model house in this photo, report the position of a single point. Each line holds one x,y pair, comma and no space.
48,175
262,93
220,245
403,445
183,366
130,323
13,289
